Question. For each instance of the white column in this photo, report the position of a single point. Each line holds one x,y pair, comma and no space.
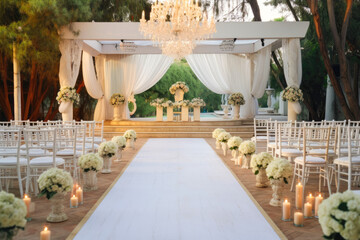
17,85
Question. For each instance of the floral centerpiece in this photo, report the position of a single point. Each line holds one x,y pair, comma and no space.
168,103
54,181
179,85
236,99
130,134
233,144
12,215
223,139
90,162
117,99
197,102
259,163
215,135
339,216
292,94
68,94
158,102
107,149
247,148
120,141
183,103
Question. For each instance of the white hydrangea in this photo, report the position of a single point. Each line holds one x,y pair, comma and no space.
260,161
223,137
90,162
216,132
279,168
107,149
339,215
54,181
234,143
12,211
120,141
247,147
130,134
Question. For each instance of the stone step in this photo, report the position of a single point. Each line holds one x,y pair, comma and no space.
243,122
176,128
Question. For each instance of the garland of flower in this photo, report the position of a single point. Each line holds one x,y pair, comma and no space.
178,85
68,94
117,99
168,103
292,94
158,102
236,99
197,102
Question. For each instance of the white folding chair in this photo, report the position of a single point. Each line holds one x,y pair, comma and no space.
287,141
260,133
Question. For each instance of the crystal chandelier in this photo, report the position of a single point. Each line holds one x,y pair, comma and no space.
175,25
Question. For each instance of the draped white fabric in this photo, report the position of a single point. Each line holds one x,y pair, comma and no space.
69,65
128,75
292,65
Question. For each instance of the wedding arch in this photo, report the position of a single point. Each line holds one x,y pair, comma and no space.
235,59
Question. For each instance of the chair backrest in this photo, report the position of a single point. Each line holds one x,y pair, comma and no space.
10,141
271,131
287,133
260,127
316,138
353,123
99,129
67,138
20,122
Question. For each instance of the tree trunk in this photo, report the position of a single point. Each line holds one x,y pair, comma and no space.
255,9
4,94
292,10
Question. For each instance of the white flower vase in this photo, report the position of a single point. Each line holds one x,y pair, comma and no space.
67,113
197,114
130,143
57,213
224,147
90,181
184,114
246,161
234,154
179,95
238,160
159,113
118,155
170,114
107,165
236,112
277,187
117,112
261,179
292,116
217,144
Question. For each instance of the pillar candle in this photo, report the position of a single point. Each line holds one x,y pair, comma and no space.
308,210
45,234
318,200
74,202
27,202
299,196
299,219
311,199
79,195
286,210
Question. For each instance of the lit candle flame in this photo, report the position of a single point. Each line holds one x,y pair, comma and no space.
25,196
309,194
45,229
299,183
286,200
319,194
73,195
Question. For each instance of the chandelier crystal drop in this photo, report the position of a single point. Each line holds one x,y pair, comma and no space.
176,25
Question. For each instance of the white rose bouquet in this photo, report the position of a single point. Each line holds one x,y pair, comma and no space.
339,216
107,149
117,99
260,161
158,102
236,99
54,181
168,103
292,94
120,141
90,162
183,103
68,94
12,214
178,85
279,168
216,132
197,102
130,134
223,137
247,148
234,143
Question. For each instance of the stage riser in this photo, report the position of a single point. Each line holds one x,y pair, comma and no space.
165,123
245,136
176,129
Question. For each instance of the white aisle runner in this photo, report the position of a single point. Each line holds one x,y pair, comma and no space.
177,189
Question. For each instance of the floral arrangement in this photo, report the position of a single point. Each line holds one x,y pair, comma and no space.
158,102
223,137
279,168
236,99
107,149
197,102
234,143
183,103
12,214
68,94
90,162
292,94
130,134
178,85
260,161
117,99
168,103
120,141
216,132
339,216
247,148
53,181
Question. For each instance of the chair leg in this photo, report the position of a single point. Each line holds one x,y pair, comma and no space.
327,179
293,180
20,182
338,179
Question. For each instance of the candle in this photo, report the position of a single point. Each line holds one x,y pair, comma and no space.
286,210
310,199
308,210
299,219
27,202
74,202
79,195
143,15
299,196
318,200
45,234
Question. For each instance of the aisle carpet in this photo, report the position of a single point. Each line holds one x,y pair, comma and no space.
177,189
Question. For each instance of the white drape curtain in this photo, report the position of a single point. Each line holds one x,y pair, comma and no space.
292,65
69,65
